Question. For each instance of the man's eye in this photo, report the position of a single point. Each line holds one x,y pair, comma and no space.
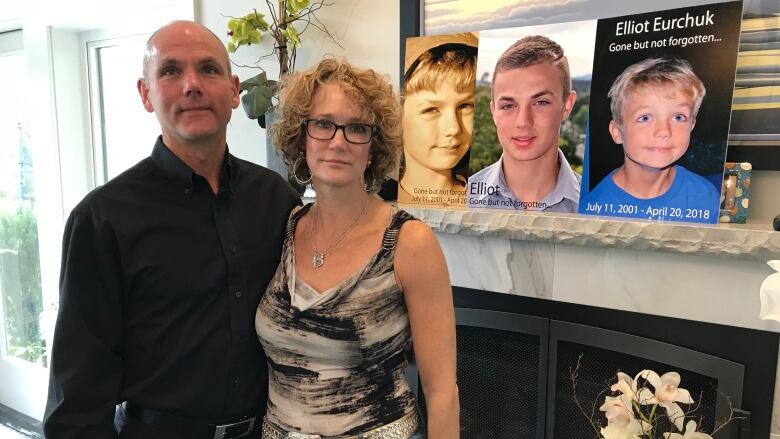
466,106
430,110
643,118
211,70
166,71
507,107
542,103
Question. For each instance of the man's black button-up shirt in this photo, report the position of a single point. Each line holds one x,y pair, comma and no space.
159,286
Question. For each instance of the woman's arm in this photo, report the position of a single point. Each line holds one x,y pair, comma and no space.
422,273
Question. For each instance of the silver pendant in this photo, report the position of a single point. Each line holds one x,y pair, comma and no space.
318,260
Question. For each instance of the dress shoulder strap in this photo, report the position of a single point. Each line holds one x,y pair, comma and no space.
390,237
292,220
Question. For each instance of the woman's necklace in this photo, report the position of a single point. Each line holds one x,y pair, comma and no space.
318,260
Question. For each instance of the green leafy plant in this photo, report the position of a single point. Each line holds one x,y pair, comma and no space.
282,29
19,235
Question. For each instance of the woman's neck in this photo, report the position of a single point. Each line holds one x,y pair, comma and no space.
337,206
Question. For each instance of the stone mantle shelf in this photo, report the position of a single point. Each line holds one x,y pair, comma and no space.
756,241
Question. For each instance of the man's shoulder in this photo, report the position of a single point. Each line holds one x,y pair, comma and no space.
263,182
127,182
256,171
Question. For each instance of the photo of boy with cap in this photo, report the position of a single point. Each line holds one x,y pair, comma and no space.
438,112
654,104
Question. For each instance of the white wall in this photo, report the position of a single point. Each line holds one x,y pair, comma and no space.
764,198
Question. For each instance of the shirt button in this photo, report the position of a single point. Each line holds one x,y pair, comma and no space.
187,191
237,294
233,249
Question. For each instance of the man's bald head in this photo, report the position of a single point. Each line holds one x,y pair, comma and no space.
176,27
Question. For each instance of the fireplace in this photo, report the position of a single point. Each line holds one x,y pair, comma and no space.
515,355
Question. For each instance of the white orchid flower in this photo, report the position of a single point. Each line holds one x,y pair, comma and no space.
616,432
620,416
690,433
624,385
667,394
627,388
616,411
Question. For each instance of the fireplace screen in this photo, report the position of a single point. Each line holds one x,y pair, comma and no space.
498,374
600,354
502,366
514,376
597,371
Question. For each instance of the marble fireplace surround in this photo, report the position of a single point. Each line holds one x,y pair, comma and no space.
696,272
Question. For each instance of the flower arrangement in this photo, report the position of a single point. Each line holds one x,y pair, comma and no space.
638,407
626,417
287,20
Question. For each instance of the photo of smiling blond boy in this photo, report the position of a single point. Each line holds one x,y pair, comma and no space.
654,104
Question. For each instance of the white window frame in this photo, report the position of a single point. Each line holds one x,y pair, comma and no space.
93,42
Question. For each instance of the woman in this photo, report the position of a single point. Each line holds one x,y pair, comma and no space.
438,112
349,291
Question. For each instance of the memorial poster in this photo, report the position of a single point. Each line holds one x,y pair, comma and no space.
532,106
438,113
659,113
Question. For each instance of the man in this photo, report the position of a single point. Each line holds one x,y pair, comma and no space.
163,267
531,96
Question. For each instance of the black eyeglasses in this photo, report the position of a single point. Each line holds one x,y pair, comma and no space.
324,129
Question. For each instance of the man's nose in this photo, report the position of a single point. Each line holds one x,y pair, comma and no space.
524,118
192,83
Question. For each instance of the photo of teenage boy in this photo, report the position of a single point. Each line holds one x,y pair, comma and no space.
438,112
654,104
531,96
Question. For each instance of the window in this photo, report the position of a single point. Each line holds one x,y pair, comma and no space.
122,131
20,273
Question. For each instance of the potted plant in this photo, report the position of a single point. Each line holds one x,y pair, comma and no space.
287,20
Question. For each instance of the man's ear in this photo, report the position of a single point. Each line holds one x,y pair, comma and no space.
235,83
143,90
568,104
614,131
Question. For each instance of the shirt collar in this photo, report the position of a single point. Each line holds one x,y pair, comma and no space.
567,185
183,176
494,176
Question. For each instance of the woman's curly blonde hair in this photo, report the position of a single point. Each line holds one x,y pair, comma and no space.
372,93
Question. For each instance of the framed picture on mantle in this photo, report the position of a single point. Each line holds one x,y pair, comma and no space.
755,124
735,193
